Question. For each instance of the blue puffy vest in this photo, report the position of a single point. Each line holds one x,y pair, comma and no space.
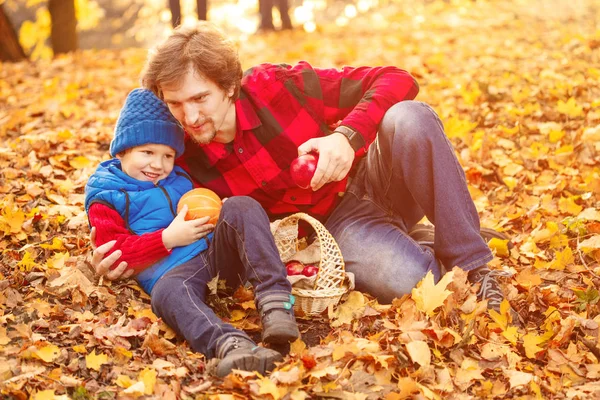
145,207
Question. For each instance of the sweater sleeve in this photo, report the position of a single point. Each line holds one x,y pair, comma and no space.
139,251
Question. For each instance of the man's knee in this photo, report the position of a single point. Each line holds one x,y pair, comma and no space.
240,205
412,122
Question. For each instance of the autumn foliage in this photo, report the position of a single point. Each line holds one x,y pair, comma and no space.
517,86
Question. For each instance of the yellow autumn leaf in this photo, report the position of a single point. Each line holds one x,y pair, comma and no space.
56,244
148,376
28,35
237,315
94,361
419,352
510,182
511,334
570,108
123,352
27,262
124,381
297,347
58,260
47,353
80,162
567,205
530,343
562,259
566,149
527,278
555,136
88,13
458,128
48,395
79,348
11,219
352,308
267,386
500,246
428,296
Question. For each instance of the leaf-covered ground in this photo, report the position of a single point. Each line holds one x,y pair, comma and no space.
517,84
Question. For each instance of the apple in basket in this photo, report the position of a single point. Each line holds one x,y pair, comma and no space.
310,270
294,267
303,168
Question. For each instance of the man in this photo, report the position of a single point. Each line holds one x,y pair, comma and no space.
243,132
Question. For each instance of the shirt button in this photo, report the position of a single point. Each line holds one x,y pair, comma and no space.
240,150
264,183
293,198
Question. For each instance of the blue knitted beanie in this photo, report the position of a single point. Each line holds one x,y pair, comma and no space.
146,119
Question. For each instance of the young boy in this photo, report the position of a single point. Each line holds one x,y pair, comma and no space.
131,199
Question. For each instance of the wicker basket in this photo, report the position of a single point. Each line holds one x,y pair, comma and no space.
329,284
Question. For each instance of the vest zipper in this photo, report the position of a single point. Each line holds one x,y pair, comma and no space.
169,199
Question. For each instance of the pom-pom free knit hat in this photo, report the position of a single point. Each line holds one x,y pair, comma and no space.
146,119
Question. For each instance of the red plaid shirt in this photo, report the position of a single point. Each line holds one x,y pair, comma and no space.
282,106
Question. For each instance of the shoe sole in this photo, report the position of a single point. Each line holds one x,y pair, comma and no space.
425,234
283,332
251,362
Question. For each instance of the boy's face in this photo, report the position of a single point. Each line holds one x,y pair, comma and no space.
150,162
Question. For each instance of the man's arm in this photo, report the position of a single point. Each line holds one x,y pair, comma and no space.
138,251
359,97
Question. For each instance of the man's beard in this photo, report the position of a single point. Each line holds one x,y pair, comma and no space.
205,137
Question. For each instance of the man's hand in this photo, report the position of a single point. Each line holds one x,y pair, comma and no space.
181,232
335,158
102,265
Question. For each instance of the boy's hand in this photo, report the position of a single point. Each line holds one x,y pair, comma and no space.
181,232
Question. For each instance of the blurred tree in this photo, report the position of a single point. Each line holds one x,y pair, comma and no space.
265,8
175,7
10,48
63,33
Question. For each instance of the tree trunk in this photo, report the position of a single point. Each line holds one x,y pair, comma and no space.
202,9
63,34
175,8
10,48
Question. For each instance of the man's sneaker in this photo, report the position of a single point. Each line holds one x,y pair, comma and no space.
277,316
490,290
238,352
425,234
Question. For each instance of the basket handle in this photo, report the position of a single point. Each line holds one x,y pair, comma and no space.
331,265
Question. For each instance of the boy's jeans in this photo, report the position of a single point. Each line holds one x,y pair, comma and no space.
242,250
409,171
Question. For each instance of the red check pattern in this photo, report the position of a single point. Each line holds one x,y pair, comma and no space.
281,107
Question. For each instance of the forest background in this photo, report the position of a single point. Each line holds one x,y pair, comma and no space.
517,85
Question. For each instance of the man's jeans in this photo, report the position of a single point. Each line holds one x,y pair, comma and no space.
242,250
409,171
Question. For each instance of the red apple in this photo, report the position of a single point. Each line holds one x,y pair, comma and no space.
310,270
302,170
294,267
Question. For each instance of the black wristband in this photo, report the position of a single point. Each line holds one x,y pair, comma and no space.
354,138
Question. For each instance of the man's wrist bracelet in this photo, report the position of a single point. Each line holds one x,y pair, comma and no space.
354,138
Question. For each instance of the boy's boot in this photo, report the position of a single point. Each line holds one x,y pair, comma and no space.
238,352
277,316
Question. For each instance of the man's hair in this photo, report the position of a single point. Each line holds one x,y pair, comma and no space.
201,47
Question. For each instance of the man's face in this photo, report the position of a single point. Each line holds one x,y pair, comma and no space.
149,162
202,108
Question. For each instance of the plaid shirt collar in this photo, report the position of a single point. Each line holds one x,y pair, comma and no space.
246,120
